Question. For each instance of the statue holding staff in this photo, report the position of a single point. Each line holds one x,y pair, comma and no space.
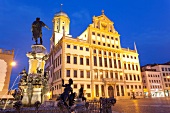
37,30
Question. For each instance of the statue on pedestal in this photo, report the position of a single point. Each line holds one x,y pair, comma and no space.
37,30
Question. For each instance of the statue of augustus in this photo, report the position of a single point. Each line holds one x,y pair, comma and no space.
37,30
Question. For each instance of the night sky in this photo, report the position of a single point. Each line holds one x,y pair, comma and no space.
145,22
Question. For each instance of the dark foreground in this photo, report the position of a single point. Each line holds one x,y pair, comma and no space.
147,105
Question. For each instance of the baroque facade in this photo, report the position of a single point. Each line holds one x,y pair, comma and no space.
94,60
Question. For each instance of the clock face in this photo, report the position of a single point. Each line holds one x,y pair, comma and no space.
3,70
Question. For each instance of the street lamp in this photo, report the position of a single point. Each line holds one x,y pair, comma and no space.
13,63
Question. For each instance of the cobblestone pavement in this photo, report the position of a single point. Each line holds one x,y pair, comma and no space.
146,105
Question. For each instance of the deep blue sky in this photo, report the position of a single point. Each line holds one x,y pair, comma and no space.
146,22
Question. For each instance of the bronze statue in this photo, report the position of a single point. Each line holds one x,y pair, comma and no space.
81,94
37,30
68,94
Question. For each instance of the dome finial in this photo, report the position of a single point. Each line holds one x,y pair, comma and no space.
102,12
61,7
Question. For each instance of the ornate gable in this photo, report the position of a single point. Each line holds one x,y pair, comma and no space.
103,22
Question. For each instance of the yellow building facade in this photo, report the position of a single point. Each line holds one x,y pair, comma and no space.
94,60
6,58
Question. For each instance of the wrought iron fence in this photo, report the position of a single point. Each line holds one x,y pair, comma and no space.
103,105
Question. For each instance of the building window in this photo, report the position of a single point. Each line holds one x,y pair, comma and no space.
136,87
88,86
88,74
60,58
139,86
75,60
110,63
81,74
113,46
87,49
81,48
68,46
81,61
82,85
116,76
75,86
127,86
130,77
119,64
93,33
98,34
104,44
133,68
109,53
106,74
98,43
164,79
134,76
68,73
88,94
115,65
75,73
131,86
162,69
126,76
118,93
136,67
111,74
121,78
138,78
102,90
104,52
108,45
94,42
87,61
116,39
94,51
105,62
168,69
68,59
75,47
100,61
95,61
97,90
129,67
125,66
122,90
100,52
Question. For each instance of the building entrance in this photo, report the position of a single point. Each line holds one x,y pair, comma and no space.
110,91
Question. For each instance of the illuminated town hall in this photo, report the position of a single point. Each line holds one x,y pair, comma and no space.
94,60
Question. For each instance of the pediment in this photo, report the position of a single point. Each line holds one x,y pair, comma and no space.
103,18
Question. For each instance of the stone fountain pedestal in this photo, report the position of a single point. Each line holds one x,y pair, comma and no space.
34,84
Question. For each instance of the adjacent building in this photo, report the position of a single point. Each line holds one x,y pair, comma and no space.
156,79
6,58
152,82
94,60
